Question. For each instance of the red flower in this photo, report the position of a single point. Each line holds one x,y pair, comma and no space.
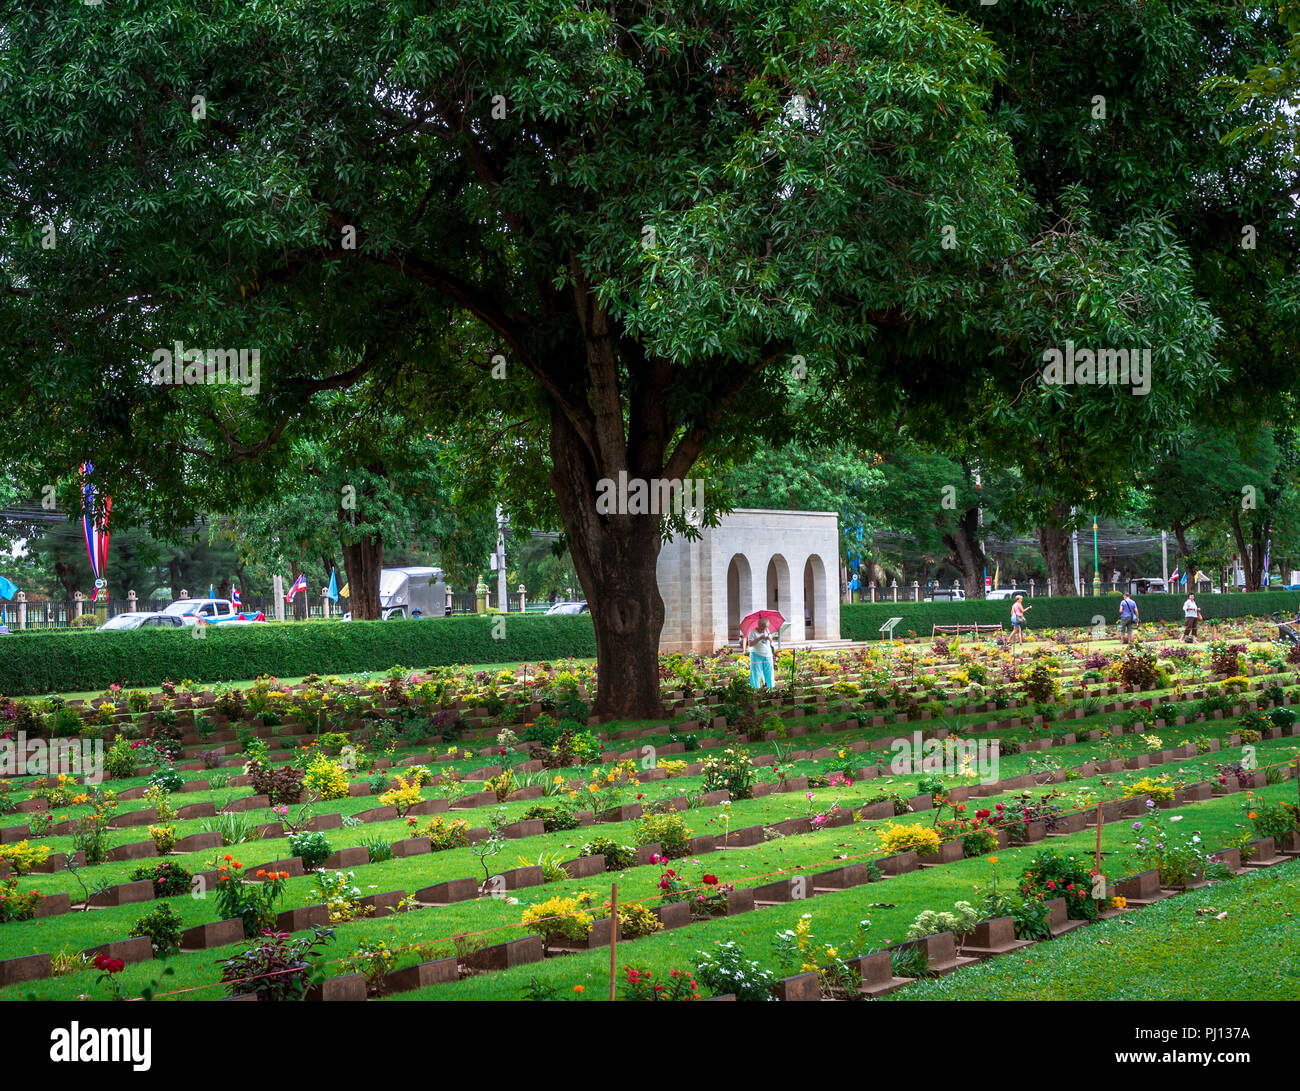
1051,885
710,880
108,965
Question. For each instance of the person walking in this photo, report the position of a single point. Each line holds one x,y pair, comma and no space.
1018,609
760,656
1128,618
1191,615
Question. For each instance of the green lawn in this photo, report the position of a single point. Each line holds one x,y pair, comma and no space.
1179,949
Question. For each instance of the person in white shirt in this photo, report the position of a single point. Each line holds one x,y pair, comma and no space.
1191,615
760,656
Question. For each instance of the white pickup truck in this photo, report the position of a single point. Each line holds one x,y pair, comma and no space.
210,612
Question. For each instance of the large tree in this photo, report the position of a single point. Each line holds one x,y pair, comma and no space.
652,221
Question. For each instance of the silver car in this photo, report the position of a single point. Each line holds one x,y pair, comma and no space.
143,620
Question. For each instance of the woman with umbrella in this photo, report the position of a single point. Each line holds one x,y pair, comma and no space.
757,634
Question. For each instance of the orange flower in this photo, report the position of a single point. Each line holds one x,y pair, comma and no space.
993,859
578,988
227,857
284,875
237,864
1251,815
261,873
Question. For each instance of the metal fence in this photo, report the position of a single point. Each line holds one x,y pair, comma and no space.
60,613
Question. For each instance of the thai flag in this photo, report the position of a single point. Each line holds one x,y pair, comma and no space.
300,584
234,596
1174,578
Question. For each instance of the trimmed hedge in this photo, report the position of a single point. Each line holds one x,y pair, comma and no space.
69,660
862,620
53,661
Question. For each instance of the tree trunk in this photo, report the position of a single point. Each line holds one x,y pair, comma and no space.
1248,562
616,557
363,562
174,574
964,545
1054,543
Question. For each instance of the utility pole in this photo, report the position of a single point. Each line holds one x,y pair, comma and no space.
1164,557
1074,542
503,595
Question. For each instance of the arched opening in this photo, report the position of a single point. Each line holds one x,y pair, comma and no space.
814,596
778,586
740,593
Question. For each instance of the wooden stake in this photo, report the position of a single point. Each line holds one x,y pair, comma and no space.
613,936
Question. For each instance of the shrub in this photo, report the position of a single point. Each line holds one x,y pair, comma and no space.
326,778
1158,788
251,900
144,657
119,759
960,922
636,920
896,838
341,895
668,830
979,842
168,778
617,857
332,743
169,878
1282,717
16,906
163,928
22,856
378,849
725,970
731,770
312,847
281,784
403,797
503,784
275,968
446,833
560,817
164,838
1138,669
1052,875
235,827
560,921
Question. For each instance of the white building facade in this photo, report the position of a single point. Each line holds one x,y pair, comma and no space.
756,559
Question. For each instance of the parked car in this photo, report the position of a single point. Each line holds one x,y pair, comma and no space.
1147,585
1006,593
210,612
143,619
568,608
946,594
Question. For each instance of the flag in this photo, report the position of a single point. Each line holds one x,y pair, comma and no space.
997,571
212,591
300,584
95,527
8,589
1174,578
334,585
234,595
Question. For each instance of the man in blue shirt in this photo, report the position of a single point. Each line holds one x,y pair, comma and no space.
1128,617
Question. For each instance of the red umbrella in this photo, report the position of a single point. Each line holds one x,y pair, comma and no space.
772,617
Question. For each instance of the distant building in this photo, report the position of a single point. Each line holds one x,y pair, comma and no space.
756,559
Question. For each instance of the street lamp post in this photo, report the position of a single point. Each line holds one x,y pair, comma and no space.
1096,564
